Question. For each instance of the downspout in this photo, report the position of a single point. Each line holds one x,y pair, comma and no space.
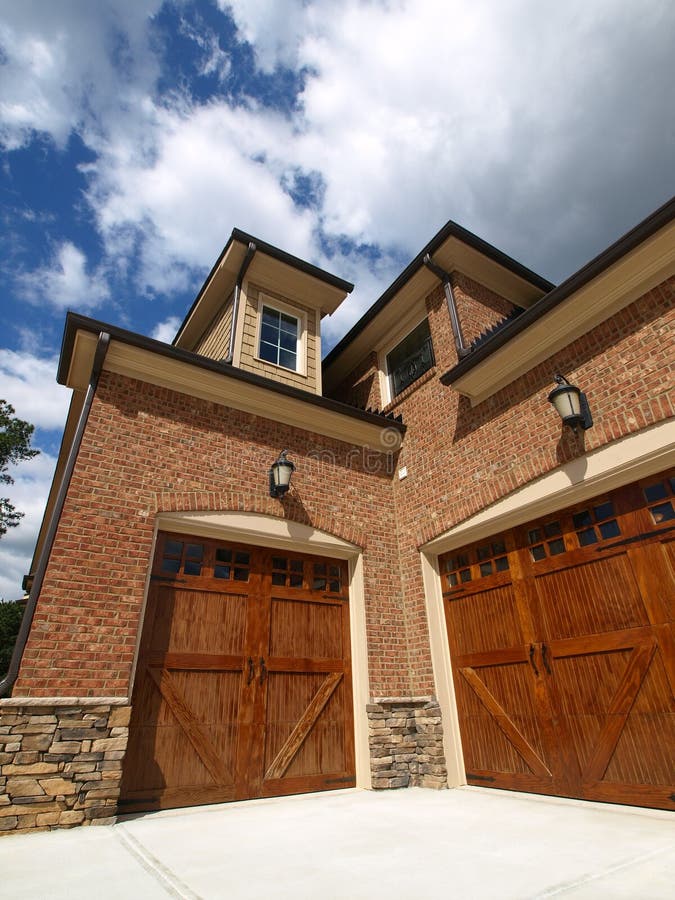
462,349
250,252
7,683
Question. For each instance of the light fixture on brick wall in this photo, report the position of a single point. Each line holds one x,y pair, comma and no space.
571,404
280,475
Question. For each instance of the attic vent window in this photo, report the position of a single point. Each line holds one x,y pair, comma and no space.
411,358
279,338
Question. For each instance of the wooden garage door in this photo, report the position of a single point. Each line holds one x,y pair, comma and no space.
243,686
563,648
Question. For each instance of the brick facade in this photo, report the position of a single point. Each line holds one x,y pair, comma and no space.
149,450
461,459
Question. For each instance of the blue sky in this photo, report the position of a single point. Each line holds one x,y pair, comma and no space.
135,134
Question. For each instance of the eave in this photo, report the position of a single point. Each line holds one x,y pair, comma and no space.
632,266
136,356
271,268
454,249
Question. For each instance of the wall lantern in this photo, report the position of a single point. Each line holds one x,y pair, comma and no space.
571,404
280,475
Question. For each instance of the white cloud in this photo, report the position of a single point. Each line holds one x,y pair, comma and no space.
213,168
65,283
166,330
32,481
28,383
70,65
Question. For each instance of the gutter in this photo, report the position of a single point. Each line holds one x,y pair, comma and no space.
7,683
462,349
250,253
661,218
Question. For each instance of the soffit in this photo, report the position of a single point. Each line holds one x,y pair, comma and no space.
613,289
453,255
312,414
265,270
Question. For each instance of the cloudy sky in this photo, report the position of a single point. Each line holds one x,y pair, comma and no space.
135,134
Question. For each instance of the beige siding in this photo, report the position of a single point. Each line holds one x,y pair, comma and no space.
251,363
215,341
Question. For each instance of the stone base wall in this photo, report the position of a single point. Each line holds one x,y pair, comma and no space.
60,762
406,743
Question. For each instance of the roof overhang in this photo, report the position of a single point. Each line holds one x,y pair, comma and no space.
157,363
270,268
631,267
453,249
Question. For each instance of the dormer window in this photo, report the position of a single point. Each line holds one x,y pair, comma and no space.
410,358
279,338
281,335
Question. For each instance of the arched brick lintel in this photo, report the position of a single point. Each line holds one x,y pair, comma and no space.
290,509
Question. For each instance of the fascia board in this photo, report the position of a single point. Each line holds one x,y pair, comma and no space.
615,288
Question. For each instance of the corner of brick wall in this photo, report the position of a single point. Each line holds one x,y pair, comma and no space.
60,765
406,743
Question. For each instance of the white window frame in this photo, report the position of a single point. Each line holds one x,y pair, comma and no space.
264,300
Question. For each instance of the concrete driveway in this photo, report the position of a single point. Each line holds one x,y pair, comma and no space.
467,843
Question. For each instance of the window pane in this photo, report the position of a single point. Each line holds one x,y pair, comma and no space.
287,359
664,512
411,358
502,563
289,324
242,557
268,352
609,529
582,518
173,548
486,568
270,317
278,578
296,580
278,562
192,568
288,341
551,529
221,571
538,552
556,547
588,537
655,492
194,551
269,334
170,565
296,565
223,554
604,511
534,535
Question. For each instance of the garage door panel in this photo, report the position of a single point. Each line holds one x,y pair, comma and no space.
305,629
504,706
595,586
482,620
200,622
597,596
244,681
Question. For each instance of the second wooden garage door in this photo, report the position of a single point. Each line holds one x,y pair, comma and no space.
243,686
561,636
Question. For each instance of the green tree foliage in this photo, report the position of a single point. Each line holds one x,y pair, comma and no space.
10,620
15,436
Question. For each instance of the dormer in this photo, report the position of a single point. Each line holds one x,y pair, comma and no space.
260,309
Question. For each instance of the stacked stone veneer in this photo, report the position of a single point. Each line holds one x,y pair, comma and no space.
60,762
406,743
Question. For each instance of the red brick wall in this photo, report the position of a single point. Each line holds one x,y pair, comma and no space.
461,459
147,449
362,387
